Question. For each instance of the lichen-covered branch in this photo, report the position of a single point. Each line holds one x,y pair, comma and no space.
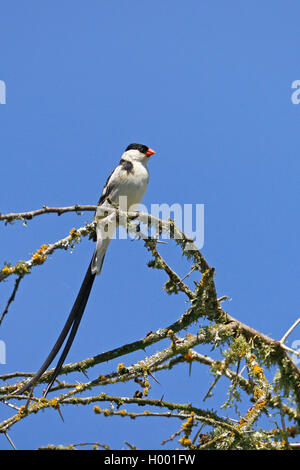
241,346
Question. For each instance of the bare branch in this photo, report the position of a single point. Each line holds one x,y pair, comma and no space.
28,215
289,331
12,297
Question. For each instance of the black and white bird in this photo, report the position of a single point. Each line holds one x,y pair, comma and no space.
125,187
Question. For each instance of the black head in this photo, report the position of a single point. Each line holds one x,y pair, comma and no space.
141,148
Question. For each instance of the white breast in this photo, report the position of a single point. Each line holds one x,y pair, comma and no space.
133,185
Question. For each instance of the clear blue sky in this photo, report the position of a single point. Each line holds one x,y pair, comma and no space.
207,84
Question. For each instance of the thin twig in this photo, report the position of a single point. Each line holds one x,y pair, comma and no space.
10,405
289,331
189,273
10,441
12,297
290,350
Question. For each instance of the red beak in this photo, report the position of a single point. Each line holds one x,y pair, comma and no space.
149,152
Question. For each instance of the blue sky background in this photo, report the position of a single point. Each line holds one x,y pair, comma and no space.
207,84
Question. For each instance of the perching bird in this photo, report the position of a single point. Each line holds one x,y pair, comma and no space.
125,187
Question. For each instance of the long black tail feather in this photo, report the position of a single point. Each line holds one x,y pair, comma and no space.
73,322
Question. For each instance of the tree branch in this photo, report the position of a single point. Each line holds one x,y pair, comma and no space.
28,215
